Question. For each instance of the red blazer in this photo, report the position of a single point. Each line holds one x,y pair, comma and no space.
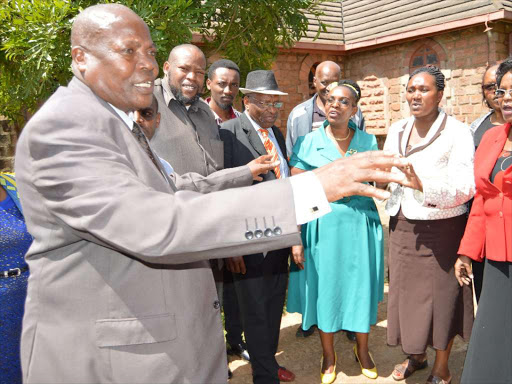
489,228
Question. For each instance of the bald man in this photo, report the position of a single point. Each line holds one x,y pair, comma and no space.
120,290
310,115
188,137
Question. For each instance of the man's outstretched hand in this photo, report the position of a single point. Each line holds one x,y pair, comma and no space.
346,176
261,166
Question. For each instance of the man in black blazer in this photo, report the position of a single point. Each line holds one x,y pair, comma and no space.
261,279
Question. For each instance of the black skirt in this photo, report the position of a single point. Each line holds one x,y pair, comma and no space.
489,357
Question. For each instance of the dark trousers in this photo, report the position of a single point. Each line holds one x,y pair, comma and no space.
232,317
478,277
261,294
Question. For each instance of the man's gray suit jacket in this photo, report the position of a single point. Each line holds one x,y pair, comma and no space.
119,290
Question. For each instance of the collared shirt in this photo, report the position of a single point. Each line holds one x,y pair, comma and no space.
318,117
126,117
168,95
128,120
233,113
283,166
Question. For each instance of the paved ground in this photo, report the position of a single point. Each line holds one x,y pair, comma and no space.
302,356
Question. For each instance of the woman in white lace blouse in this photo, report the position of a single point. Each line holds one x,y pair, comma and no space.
426,306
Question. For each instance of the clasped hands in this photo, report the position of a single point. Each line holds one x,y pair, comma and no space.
348,176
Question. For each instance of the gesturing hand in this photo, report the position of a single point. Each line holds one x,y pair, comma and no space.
261,165
236,264
411,178
346,176
298,256
463,271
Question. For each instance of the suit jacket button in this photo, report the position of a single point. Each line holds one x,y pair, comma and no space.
501,214
249,235
268,232
258,233
216,304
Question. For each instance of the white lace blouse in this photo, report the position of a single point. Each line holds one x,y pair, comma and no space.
443,161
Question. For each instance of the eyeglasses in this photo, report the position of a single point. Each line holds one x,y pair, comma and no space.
343,101
501,92
489,87
277,104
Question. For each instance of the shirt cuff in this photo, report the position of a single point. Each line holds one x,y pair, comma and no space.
309,197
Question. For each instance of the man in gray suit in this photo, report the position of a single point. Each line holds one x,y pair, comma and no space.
120,290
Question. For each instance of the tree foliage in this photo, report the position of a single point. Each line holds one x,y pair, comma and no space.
35,48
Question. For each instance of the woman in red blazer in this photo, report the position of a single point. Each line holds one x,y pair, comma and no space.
488,236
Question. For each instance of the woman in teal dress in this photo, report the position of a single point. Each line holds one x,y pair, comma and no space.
338,280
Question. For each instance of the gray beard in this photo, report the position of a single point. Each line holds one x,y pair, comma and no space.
182,98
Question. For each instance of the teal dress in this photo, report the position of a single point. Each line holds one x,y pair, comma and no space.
343,277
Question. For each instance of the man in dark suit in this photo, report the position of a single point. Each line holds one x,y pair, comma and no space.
260,279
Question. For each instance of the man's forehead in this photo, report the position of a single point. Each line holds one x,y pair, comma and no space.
104,20
133,30
263,97
224,73
328,73
186,56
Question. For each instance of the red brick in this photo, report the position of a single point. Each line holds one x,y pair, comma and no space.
472,90
462,100
457,73
475,99
463,81
466,109
461,43
476,79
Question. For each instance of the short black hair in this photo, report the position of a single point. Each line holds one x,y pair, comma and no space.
503,69
354,85
222,63
433,71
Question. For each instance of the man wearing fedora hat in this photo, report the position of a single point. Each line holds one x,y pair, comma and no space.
260,280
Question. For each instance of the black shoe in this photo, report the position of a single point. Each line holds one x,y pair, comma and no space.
305,333
351,335
230,374
239,350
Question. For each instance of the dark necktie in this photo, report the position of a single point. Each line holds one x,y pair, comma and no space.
137,133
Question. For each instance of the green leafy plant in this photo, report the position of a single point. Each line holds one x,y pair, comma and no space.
35,47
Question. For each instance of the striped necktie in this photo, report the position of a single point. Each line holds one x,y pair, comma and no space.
141,138
271,150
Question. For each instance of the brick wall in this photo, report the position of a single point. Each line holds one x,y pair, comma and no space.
383,73
292,74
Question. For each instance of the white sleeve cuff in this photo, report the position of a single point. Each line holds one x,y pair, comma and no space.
309,197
